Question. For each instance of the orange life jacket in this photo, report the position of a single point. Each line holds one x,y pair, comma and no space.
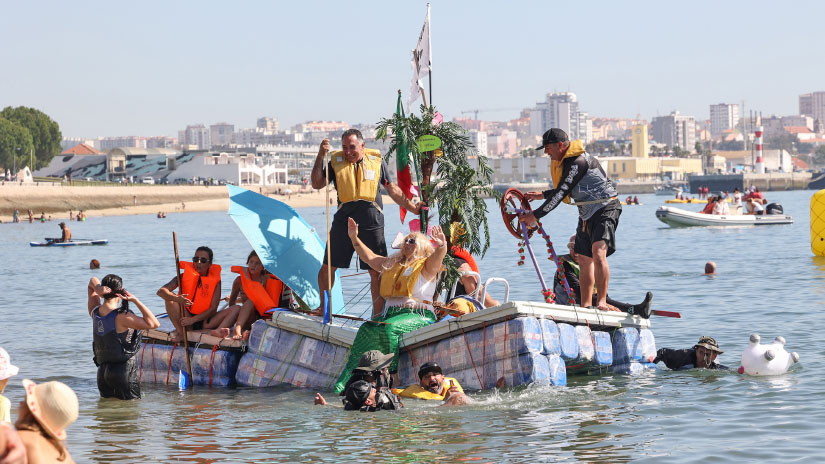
264,298
199,289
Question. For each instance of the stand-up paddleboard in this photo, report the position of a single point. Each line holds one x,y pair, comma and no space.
818,223
50,242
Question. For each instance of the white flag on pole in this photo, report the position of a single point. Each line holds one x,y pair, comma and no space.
421,61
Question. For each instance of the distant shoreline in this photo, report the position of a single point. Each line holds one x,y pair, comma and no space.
97,201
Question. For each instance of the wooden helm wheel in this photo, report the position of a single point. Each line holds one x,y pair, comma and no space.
512,200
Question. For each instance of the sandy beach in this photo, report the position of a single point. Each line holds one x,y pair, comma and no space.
57,200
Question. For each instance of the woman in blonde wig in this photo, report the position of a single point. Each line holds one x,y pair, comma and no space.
408,282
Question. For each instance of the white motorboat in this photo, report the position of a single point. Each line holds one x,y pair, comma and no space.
676,217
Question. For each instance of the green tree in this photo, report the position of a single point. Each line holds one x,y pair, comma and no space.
698,147
45,133
457,190
15,142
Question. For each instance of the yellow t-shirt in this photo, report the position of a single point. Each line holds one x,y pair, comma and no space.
418,392
5,409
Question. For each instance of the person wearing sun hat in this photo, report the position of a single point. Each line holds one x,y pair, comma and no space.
6,370
702,356
42,419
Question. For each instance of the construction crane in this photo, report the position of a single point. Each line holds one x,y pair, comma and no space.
488,110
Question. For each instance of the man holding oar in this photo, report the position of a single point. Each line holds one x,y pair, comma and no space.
579,176
356,173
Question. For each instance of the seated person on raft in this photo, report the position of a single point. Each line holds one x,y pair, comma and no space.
199,296
408,282
468,282
116,336
702,356
259,292
432,385
571,273
373,367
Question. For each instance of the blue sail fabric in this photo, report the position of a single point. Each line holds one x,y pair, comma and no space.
288,247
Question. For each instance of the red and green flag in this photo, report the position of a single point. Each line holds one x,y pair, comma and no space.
402,159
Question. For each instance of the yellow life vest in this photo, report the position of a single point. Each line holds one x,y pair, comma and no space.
418,392
365,187
400,279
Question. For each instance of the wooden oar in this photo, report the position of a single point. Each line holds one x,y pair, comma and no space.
666,313
182,313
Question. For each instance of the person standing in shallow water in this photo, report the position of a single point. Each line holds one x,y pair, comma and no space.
117,338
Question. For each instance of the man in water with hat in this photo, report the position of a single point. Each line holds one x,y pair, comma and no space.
702,355
373,367
432,385
579,176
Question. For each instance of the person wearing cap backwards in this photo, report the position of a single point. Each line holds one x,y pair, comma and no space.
42,419
579,176
432,385
702,355
357,173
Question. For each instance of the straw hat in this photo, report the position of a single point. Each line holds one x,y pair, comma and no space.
53,404
6,368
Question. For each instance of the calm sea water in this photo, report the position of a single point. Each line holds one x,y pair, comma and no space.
768,282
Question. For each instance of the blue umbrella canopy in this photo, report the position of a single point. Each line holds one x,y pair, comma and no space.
288,247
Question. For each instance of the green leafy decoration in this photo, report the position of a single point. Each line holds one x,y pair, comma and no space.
448,183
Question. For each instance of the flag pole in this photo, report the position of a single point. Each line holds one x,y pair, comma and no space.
430,48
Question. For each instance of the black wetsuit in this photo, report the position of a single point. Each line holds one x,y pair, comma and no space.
681,359
117,373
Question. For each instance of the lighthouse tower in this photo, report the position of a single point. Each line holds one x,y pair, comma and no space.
759,166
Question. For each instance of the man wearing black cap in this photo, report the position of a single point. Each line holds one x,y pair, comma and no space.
702,355
579,176
432,385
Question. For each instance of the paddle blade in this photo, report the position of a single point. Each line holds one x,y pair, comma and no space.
666,314
184,381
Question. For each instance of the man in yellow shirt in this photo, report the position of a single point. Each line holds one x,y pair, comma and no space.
432,385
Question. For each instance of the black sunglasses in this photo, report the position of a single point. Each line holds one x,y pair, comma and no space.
410,241
200,260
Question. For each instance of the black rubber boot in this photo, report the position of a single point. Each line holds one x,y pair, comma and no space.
643,309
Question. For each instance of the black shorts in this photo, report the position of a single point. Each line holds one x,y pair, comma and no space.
342,249
601,226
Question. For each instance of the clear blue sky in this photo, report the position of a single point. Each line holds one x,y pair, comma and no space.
151,67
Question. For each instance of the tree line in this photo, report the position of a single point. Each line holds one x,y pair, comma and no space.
27,136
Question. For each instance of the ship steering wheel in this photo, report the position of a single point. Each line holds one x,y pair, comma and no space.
513,200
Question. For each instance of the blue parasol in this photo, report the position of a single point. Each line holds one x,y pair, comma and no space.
288,247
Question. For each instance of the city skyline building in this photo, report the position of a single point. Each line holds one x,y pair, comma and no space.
640,146
221,134
723,117
675,130
561,109
813,105
195,135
